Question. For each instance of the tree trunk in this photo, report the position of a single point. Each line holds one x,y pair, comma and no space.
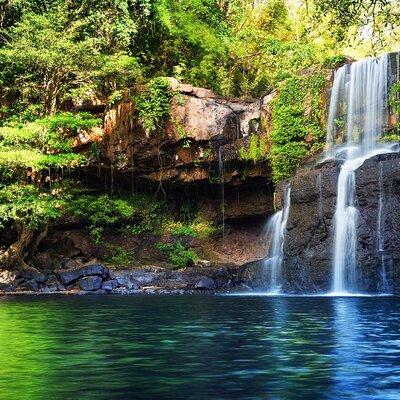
14,256
37,240
51,86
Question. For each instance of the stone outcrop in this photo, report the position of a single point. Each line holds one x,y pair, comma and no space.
199,123
307,265
99,279
201,138
69,276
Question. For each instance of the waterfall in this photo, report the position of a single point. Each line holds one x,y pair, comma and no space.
276,229
358,108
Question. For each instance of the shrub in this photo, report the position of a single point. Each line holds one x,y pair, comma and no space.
256,151
130,215
120,257
178,255
394,98
296,123
199,227
154,104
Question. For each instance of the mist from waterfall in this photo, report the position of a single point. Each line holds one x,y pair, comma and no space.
276,229
358,114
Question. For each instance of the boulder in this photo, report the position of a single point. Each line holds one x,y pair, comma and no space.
205,283
7,277
90,283
32,273
110,285
69,276
52,285
48,260
197,115
134,279
72,264
32,285
202,263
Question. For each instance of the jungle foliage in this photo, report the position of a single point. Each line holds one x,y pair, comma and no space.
55,54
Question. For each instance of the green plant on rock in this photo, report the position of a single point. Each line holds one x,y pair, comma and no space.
391,138
297,130
394,98
334,61
286,158
101,212
178,255
199,227
119,256
154,104
43,143
115,97
131,215
257,149
394,103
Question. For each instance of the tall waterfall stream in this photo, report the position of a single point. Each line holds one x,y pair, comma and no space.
358,104
357,118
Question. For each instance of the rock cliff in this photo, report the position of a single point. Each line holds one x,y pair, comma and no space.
307,265
198,150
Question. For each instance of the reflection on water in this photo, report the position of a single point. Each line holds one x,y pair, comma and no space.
199,347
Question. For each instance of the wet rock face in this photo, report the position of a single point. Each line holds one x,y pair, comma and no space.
308,247
197,116
202,130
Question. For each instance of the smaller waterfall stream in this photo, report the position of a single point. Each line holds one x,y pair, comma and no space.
276,229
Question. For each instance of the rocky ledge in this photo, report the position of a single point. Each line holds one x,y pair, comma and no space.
307,265
99,279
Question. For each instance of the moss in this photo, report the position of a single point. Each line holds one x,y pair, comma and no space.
256,150
154,104
297,130
334,61
115,98
394,98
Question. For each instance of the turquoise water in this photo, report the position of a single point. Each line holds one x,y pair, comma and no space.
199,347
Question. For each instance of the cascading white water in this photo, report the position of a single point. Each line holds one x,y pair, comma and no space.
276,229
358,106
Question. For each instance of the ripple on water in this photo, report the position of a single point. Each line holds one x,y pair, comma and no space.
197,347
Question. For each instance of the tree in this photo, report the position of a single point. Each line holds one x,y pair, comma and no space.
29,210
375,21
50,58
31,195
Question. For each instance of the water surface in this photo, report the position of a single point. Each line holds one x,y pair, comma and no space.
199,347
